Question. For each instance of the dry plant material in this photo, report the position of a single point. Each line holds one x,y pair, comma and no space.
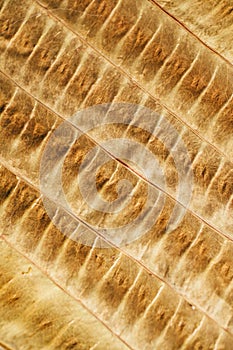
165,290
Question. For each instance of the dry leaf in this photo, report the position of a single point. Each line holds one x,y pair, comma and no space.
82,265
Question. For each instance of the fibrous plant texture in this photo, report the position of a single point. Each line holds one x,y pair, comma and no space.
116,175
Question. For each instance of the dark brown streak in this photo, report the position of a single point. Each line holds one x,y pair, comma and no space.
122,162
181,24
140,263
5,347
132,79
66,292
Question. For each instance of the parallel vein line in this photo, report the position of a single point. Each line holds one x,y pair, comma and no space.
66,291
184,26
200,218
132,79
138,262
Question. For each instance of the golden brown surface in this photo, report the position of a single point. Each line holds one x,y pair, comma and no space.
211,21
36,313
165,290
